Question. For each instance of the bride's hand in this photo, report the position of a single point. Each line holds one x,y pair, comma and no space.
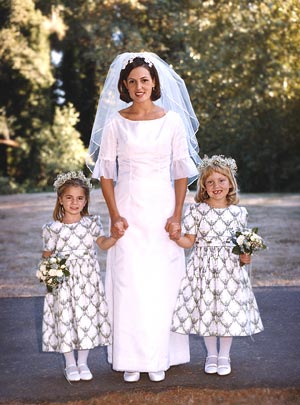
174,231
118,227
173,227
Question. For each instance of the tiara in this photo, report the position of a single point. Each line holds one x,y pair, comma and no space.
136,55
218,160
62,178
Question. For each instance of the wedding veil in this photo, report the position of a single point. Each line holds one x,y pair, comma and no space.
174,96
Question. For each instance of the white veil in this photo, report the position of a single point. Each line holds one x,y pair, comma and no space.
174,96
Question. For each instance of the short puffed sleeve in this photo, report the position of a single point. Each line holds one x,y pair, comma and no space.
106,164
49,238
243,217
97,227
191,220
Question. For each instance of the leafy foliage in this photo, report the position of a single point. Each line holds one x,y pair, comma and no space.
240,61
30,113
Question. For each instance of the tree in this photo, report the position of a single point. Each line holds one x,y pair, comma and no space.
27,82
240,62
247,80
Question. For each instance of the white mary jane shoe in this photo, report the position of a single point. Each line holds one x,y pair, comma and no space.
131,376
85,372
211,366
157,376
224,367
72,373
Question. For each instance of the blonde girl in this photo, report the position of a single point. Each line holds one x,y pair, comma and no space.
215,298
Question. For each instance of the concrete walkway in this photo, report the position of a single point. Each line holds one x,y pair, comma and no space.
270,360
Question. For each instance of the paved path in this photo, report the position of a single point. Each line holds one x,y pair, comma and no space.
270,360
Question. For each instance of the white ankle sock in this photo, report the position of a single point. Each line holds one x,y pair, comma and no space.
70,359
211,345
225,346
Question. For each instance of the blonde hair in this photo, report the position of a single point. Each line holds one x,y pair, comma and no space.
58,212
217,164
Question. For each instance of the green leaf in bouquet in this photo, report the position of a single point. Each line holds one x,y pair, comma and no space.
236,250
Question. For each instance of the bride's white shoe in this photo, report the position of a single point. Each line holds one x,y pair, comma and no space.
131,376
157,376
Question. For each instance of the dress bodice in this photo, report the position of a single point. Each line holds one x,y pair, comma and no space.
214,226
156,148
74,240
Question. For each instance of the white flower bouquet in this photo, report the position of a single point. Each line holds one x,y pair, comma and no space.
247,242
52,271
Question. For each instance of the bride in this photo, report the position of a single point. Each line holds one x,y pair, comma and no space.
145,154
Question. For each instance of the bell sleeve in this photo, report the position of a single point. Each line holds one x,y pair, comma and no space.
182,164
106,164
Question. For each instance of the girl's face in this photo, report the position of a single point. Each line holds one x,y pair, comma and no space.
73,200
217,186
139,84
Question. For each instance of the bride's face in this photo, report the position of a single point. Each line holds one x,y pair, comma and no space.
139,84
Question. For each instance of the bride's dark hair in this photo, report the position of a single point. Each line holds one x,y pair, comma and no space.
132,64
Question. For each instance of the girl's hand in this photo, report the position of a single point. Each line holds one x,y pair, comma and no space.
46,254
245,259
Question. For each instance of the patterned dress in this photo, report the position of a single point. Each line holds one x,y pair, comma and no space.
215,297
76,314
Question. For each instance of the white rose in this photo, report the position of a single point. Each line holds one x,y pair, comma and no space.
53,273
43,268
240,240
59,273
53,260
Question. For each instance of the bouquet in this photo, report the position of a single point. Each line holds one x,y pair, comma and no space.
52,271
247,241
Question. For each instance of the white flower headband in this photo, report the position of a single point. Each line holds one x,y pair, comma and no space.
62,178
218,160
136,55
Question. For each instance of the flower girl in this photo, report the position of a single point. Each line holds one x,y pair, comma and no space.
75,309
216,298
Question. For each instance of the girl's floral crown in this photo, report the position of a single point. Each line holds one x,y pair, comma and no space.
62,178
137,55
218,160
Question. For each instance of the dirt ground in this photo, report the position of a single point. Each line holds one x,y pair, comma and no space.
191,396
22,216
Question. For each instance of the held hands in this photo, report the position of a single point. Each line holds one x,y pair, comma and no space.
175,231
118,227
173,226
245,259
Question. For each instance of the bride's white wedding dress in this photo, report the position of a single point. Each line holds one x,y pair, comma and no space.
145,267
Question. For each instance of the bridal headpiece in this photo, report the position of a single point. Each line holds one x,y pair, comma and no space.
218,160
62,178
137,55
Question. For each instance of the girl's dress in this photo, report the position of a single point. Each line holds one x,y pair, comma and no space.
145,267
76,314
215,297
